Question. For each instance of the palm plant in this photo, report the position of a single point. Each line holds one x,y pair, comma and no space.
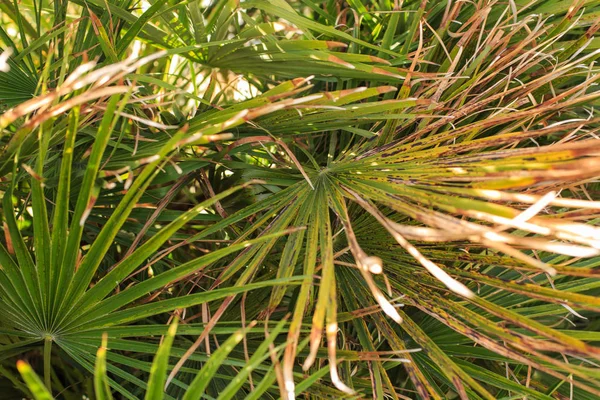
159,368
413,182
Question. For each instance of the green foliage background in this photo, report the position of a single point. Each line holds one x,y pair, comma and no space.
321,200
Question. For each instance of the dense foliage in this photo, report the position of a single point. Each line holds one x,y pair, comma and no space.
278,199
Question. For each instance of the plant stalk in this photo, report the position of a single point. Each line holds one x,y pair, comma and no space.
47,364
